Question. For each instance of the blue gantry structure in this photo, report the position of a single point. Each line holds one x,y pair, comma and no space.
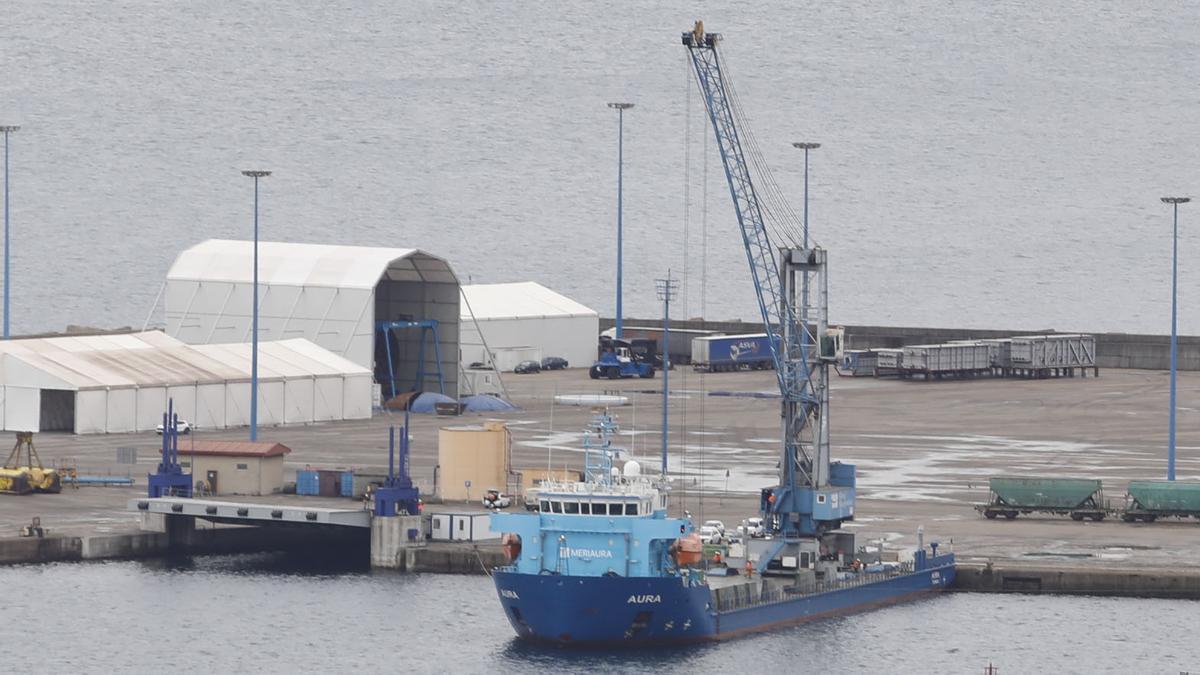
428,328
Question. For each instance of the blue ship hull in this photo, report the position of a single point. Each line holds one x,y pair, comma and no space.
595,611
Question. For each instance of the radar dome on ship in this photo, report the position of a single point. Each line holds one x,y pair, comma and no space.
632,468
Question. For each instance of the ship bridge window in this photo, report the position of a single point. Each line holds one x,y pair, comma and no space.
600,509
556,507
585,508
631,509
570,507
545,506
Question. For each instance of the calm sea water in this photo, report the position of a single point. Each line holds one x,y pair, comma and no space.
989,163
268,614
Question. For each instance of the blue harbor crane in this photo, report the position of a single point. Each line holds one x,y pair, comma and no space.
169,480
814,495
398,496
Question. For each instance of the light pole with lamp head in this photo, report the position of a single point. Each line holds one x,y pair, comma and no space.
620,108
1174,202
666,288
7,130
255,174
805,146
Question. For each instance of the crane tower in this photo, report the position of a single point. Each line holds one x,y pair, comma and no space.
814,495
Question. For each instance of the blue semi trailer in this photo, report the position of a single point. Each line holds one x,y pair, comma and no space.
722,353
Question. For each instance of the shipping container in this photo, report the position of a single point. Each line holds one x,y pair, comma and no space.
347,485
1039,352
858,363
946,360
329,483
1002,352
887,361
308,483
720,353
1151,499
1077,497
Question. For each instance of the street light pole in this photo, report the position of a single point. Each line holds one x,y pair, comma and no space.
666,292
805,146
254,317
7,130
620,108
1174,202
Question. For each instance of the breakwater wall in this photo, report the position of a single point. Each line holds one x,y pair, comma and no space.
465,558
1113,350
1021,577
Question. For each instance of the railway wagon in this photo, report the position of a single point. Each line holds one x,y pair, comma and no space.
1078,498
1148,500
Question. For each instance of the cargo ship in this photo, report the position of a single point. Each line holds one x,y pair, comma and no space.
602,563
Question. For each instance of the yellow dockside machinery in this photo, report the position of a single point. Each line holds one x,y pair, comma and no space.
22,478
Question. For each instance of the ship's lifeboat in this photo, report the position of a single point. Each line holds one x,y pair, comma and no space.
510,543
687,550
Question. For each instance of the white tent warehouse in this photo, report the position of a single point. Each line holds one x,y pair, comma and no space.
121,383
525,320
334,296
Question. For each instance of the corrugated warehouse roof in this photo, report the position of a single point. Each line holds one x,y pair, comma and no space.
521,300
233,448
155,359
310,265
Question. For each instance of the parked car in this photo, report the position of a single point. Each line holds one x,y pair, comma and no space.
752,527
527,367
710,535
554,363
495,499
716,525
181,426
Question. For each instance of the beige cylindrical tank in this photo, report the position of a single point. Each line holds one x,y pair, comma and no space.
477,454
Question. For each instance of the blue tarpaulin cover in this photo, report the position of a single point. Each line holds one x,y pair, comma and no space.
427,400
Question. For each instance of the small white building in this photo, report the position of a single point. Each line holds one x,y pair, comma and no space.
234,467
121,383
524,321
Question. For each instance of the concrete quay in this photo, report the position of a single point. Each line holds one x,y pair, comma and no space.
923,453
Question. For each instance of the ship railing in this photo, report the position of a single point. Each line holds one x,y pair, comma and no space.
639,489
728,599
